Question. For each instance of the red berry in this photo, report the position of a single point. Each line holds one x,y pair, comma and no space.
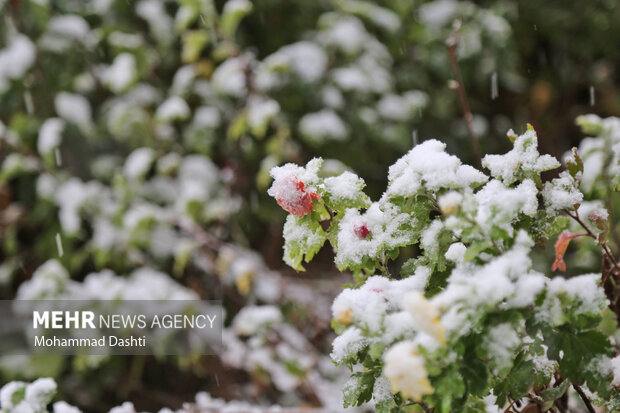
361,231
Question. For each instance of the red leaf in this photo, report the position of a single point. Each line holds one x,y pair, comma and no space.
300,202
560,249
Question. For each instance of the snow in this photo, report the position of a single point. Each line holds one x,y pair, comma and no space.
499,205
64,407
583,288
121,74
229,77
430,235
207,117
522,160
438,13
381,390
160,23
344,187
428,165
615,369
332,97
40,391
125,40
251,319
501,343
402,108
75,109
183,80
383,220
138,163
50,135
173,108
261,111
7,392
561,193
69,25
15,59
304,59
323,125
347,34
348,344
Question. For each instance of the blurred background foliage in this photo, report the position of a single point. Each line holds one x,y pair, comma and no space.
142,133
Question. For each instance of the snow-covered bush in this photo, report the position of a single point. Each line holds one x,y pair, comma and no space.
466,323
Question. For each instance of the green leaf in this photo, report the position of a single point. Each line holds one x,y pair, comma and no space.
476,248
476,376
303,238
554,393
358,389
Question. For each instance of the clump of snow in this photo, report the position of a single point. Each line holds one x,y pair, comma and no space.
521,161
383,220
401,108
74,109
501,343
585,289
229,77
207,117
173,108
64,407
254,318
345,187
15,59
261,111
347,34
428,165
50,135
40,391
456,252
499,205
138,163
561,193
121,74
305,59
615,370
321,126
348,344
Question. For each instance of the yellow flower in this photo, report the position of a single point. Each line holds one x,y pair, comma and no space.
404,368
425,315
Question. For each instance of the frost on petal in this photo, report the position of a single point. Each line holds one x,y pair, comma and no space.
290,189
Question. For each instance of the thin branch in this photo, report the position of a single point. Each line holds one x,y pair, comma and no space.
451,44
591,234
585,399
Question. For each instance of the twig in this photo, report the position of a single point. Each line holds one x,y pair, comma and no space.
585,399
591,234
451,44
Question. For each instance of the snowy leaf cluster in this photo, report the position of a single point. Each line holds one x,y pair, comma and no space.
468,321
